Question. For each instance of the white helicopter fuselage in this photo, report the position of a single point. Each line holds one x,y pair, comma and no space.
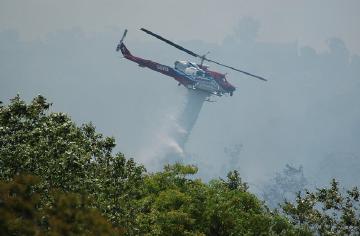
203,80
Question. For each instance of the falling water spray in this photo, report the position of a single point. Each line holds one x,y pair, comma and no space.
168,145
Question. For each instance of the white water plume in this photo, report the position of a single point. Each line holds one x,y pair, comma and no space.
169,141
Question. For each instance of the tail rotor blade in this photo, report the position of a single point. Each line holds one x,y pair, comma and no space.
121,40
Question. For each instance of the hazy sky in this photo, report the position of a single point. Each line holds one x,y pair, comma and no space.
309,22
307,113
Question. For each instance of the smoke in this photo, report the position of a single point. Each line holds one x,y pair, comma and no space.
168,143
306,114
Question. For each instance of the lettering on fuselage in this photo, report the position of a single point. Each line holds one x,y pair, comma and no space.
163,68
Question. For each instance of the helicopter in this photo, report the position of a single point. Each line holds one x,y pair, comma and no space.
189,74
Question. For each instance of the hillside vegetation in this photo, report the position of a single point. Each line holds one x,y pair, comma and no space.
58,178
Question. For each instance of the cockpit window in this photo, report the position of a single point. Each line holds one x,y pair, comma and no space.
193,64
200,73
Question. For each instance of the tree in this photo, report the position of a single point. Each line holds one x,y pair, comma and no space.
234,181
176,204
172,203
327,211
284,186
67,158
231,210
83,188
48,145
233,157
18,207
70,214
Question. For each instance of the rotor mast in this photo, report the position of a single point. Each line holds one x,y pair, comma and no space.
203,58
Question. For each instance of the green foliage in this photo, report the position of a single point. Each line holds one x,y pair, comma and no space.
68,158
327,211
116,189
234,181
174,204
18,207
234,211
50,146
82,188
69,214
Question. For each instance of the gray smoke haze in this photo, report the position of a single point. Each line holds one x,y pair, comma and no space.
307,114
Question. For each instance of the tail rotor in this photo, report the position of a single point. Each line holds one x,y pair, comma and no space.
121,41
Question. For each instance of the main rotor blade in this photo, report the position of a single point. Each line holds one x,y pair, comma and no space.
230,67
171,43
197,55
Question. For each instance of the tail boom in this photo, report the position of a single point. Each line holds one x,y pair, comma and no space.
163,69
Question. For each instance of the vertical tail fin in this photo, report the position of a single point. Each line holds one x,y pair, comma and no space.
121,46
121,41
123,49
